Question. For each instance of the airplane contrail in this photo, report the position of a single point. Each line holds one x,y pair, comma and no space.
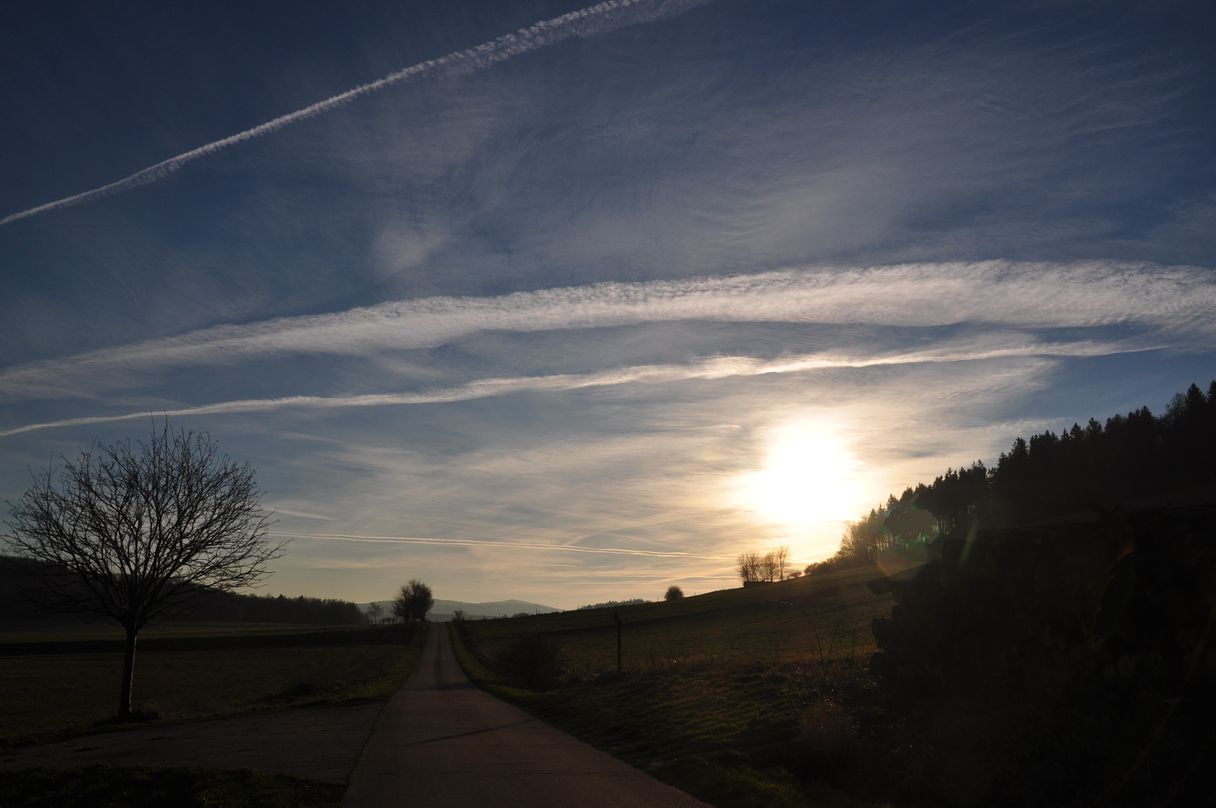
721,367
515,545
590,21
1017,295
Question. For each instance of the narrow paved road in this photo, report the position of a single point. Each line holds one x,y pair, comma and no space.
442,743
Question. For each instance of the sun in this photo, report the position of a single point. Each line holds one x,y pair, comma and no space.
810,478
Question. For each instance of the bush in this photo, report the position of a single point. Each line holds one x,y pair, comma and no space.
827,741
533,661
819,568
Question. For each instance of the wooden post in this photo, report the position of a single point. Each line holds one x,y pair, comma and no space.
617,617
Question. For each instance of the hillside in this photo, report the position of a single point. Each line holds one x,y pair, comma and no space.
1136,461
773,623
714,687
446,609
19,608
998,670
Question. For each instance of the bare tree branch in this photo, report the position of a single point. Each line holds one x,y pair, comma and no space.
135,533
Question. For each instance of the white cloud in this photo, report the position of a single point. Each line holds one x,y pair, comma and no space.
1180,300
497,544
403,244
722,367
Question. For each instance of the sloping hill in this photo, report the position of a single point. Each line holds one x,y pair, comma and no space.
19,611
800,620
446,609
725,694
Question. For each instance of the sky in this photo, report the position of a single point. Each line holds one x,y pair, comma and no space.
571,302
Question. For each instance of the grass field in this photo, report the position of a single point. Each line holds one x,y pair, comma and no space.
54,695
745,697
806,620
39,631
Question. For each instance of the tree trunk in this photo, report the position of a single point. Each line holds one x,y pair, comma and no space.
128,673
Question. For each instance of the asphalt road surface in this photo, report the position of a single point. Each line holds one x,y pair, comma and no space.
442,743
313,743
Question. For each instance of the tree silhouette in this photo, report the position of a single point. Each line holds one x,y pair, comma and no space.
413,601
754,567
1098,466
673,593
781,560
750,567
134,533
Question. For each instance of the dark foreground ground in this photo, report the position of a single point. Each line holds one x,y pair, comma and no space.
311,743
438,742
442,742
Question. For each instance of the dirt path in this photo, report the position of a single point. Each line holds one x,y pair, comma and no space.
442,743
312,743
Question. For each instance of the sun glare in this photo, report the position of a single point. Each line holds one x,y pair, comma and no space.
810,478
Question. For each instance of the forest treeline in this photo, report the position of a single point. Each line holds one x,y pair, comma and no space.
225,607
1095,467
612,604
18,600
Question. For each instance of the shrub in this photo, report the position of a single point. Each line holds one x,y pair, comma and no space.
827,740
533,661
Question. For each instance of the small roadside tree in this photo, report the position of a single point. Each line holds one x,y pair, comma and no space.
673,593
134,533
401,606
413,601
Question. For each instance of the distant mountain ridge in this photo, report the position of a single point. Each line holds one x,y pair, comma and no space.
445,609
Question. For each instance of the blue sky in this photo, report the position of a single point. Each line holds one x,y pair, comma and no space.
591,309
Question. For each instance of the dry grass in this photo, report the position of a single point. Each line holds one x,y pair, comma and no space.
53,695
45,631
746,697
804,621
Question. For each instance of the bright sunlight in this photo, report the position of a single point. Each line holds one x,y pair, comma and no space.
810,477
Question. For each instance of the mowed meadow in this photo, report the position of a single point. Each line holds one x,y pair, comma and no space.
64,681
749,696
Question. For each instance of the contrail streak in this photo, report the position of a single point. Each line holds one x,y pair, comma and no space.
591,21
1176,299
514,545
722,367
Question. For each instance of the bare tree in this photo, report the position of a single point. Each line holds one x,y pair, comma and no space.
750,566
771,566
375,614
781,560
768,566
134,533
413,601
